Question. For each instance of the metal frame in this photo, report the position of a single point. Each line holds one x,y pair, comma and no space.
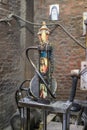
56,107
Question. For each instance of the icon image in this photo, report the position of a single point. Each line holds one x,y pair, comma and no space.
54,12
84,26
43,65
43,91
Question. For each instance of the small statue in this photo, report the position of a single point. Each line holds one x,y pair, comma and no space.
43,34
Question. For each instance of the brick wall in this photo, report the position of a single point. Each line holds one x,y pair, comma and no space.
68,55
15,39
9,65
13,44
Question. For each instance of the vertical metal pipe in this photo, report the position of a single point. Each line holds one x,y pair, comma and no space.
68,120
23,37
28,119
22,118
44,120
64,126
73,89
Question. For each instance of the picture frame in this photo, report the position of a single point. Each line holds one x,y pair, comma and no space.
54,12
84,26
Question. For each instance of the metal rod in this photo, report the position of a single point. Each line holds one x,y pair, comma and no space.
28,119
64,126
44,120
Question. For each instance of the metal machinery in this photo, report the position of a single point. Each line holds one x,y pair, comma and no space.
83,85
78,104
42,86
46,84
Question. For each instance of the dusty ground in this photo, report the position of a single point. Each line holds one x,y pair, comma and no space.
57,126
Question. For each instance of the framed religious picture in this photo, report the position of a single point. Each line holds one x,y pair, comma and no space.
83,85
43,91
84,26
54,12
43,65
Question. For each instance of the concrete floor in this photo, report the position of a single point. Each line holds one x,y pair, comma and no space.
56,126
8,128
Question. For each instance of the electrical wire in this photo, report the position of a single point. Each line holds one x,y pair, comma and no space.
9,18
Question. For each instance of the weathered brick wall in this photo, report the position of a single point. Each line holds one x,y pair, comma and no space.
9,64
13,43
68,55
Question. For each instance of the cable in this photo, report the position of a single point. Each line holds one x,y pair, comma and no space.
9,17
72,37
56,25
